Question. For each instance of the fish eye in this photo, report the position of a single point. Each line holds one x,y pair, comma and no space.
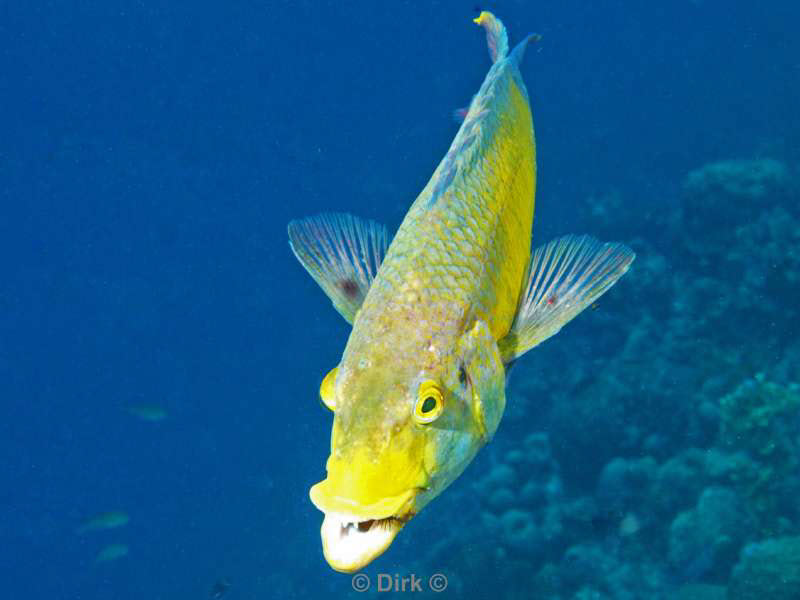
430,403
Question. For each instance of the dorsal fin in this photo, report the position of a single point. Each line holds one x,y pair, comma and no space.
342,253
496,36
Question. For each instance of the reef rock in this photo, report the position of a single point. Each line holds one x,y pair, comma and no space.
767,570
704,541
733,190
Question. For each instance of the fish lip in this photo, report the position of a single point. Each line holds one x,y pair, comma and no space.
349,543
386,507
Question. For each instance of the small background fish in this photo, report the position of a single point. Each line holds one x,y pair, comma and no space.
107,520
111,553
220,588
148,412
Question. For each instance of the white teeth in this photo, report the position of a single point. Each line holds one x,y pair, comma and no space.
347,526
348,547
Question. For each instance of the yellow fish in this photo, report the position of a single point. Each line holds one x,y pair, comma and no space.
439,317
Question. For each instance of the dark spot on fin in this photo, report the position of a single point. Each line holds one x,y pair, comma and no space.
350,288
342,254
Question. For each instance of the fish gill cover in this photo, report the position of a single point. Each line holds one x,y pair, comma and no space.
160,345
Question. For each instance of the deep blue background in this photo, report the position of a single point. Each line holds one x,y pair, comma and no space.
151,155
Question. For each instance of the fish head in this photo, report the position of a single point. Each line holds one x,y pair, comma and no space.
401,434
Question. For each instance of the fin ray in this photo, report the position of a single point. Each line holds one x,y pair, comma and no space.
342,253
565,276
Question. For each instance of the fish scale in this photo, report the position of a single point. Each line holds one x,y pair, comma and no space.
480,226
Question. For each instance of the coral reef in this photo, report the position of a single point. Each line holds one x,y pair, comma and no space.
704,541
756,418
728,191
768,569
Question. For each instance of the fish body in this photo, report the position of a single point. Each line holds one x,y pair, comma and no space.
111,552
438,316
463,248
148,412
107,520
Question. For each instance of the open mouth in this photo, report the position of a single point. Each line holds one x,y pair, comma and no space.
350,544
359,525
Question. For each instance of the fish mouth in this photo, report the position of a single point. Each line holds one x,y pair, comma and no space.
350,544
355,532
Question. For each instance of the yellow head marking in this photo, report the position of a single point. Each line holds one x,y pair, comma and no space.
326,389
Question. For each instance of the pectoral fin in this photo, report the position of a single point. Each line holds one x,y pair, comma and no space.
342,253
565,276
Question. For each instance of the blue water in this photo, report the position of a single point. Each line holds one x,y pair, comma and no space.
151,155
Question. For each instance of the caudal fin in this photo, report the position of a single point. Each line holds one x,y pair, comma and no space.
496,36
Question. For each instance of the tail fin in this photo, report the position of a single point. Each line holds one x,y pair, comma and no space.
496,36
519,50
